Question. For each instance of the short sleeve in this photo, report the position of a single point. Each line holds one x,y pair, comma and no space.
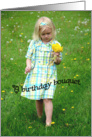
60,52
30,50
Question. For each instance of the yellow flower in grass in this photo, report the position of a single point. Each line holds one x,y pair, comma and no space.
63,109
77,75
72,107
74,77
21,40
57,48
3,90
21,84
67,124
82,47
88,43
63,63
21,33
86,34
74,58
62,86
88,59
71,90
30,127
52,123
11,92
65,53
1,98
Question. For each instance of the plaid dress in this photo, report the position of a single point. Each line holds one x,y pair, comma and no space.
39,82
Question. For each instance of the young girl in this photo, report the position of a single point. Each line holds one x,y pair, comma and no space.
39,83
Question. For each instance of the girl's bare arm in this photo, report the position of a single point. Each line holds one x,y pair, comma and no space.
28,66
28,62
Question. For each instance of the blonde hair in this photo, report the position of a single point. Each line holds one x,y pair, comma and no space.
38,26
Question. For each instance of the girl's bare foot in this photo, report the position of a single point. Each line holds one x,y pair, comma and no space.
48,124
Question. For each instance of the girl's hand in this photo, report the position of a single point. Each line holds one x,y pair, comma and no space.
27,69
57,60
56,53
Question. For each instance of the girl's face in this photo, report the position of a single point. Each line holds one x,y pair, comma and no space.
46,35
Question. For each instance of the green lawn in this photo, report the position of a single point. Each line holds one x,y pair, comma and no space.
71,103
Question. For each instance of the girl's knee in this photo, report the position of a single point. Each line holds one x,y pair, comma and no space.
41,100
47,100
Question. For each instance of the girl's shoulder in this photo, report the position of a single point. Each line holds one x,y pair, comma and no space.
35,41
31,42
55,41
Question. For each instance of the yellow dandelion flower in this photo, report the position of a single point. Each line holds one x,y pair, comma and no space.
63,109
57,48
21,33
63,63
86,34
72,107
65,53
62,86
74,58
15,63
88,43
67,124
3,90
64,67
21,40
74,77
71,90
11,92
77,75
21,84
88,59
30,127
52,123
82,47
1,98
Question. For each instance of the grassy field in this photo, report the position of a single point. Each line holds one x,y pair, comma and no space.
71,103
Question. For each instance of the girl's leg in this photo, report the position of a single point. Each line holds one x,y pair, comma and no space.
39,107
48,111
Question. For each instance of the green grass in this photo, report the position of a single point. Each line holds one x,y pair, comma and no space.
18,113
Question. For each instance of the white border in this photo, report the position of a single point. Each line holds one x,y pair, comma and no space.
22,3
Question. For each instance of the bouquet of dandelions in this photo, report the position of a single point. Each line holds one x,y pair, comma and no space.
56,48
